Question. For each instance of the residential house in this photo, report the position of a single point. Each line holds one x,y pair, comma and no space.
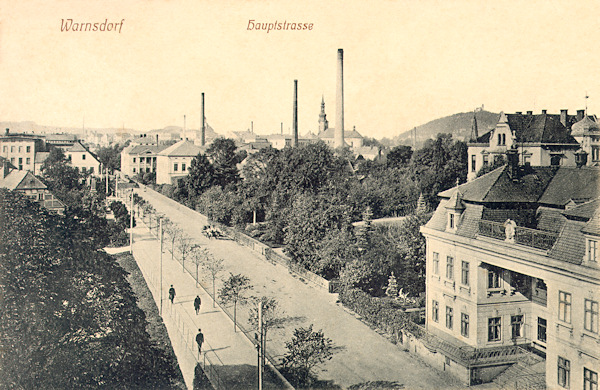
20,149
140,158
512,274
81,158
173,162
541,140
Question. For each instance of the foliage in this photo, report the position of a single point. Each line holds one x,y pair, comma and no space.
306,350
222,153
214,266
272,316
121,214
110,157
497,163
184,246
392,287
146,178
399,156
377,385
200,178
66,304
233,291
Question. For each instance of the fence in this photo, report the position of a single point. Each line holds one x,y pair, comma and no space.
530,237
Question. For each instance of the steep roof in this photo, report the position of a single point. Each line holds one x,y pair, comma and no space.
21,180
572,183
77,147
330,133
144,149
585,126
182,148
542,128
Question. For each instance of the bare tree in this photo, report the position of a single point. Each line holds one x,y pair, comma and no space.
214,265
184,245
198,255
173,232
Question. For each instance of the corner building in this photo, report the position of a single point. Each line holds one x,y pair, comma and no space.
513,278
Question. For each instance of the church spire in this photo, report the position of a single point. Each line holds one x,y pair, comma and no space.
474,132
323,122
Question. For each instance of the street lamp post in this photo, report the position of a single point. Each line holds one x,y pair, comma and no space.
131,224
161,262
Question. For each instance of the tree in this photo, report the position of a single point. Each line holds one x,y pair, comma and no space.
173,232
110,157
392,287
184,245
214,265
272,316
224,158
305,351
399,156
201,176
198,255
233,291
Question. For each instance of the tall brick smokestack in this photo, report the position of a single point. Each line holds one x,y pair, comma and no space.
203,128
295,119
338,140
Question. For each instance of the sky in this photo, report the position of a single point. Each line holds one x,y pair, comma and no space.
406,62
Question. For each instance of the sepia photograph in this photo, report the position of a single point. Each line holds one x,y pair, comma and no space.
232,195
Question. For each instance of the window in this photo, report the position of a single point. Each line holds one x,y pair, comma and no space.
493,278
592,250
554,161
183,167
564,306
20,149
149,160
516,324
464,279
435,311
494,328
449,315
175,166
564,372
542,326
134,159
464,324
595,153
5,149
92,170
590,379
485,160
12,160
501,139
12,149
450,267
451,221
28,160
83,156
28,149
20,160
133,169
69,157
473,163
590,322
436,263
147,170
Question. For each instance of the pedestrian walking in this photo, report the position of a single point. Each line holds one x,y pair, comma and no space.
199,341
171,294
197,303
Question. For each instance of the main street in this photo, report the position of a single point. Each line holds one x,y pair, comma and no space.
363,356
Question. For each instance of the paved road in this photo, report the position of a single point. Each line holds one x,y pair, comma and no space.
364,355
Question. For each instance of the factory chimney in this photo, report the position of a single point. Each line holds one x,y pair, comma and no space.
202,126
295,119
338,139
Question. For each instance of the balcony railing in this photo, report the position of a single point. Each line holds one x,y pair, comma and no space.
530,237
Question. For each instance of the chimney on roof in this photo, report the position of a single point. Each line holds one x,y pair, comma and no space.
580,114
563,117
529,112
295,119
338,139
7,131
519,112
157,138
512,157
252,127
544,112
580,158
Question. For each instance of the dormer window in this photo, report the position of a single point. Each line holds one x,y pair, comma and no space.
455,208
501,139
451,221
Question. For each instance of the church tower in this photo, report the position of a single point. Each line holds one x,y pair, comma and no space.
323,122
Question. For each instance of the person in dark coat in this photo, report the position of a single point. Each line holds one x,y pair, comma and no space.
199,340
171,294
197,303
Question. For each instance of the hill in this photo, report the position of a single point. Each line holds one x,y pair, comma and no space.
459,125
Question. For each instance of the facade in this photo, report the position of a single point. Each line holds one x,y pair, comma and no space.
63,141
512,272
173,162
541,140
81,158
21,149
587,133
28,184
140,158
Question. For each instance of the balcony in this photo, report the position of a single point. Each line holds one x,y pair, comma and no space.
529,237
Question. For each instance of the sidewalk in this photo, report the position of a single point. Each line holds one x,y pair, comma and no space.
229,359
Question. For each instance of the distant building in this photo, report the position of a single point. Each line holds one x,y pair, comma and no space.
173,162
63,141
81,158
21,149
587,134
512,268
29,185
540,140
140,158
